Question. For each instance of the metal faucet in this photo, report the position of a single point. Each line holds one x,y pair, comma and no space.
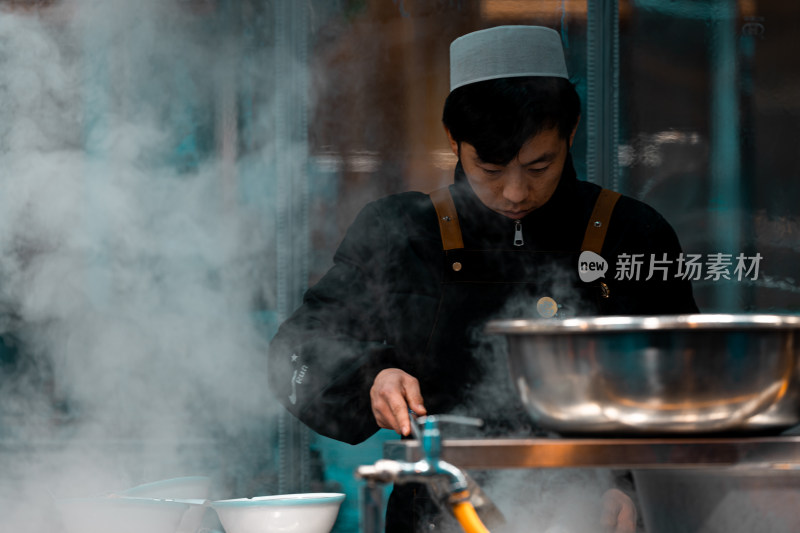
431,469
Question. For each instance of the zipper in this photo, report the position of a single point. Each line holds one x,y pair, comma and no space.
518,233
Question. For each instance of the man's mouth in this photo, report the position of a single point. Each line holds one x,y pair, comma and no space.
515,214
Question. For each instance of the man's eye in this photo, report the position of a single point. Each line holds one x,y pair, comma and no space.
491,170
538,170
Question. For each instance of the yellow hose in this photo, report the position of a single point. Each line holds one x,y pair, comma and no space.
466,515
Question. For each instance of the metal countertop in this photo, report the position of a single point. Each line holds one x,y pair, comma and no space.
779,452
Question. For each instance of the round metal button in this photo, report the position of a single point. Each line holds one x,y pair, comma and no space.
456,266
547,307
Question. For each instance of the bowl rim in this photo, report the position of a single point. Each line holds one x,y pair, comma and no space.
624,323
126,501
164,483
307,498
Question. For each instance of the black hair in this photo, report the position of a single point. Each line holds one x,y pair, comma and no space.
498,116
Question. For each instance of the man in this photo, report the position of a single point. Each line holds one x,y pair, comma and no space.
395,324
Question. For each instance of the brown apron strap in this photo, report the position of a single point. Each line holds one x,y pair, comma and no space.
598,222
448,219
593,239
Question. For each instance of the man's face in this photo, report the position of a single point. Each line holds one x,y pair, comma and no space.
524,184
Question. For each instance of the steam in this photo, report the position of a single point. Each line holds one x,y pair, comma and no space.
548,501
129,278
540,500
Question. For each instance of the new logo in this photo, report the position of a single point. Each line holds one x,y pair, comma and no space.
591,266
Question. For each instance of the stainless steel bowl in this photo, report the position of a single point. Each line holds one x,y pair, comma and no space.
657,374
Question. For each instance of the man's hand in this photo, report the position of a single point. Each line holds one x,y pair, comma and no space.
619,512
393,393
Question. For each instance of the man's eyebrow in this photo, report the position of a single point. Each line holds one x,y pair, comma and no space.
482,162
547,156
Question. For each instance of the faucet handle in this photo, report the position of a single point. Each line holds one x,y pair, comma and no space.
431,439
415,431
433,420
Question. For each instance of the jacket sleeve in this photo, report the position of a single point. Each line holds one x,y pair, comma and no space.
324,358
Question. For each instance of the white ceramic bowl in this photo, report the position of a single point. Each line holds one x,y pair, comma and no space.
178,488
121,515
285,513
191,490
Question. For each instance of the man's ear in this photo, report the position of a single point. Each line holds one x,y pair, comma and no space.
453,143
572,135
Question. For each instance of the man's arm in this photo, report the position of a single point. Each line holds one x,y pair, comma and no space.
325,358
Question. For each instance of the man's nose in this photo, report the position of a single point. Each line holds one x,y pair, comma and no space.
515,189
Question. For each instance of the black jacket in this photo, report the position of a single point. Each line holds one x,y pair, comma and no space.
376,307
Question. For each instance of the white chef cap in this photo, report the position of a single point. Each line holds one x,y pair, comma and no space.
506,52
